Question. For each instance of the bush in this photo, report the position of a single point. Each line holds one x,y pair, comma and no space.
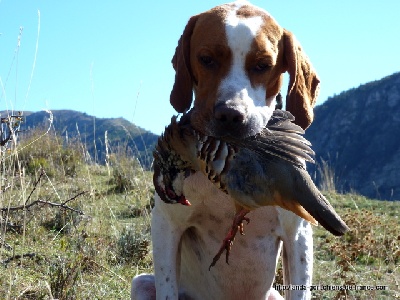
48,153
126,173
132,245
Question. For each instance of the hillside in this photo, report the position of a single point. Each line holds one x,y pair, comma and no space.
357,133
77,230
87,237
121,133
354,133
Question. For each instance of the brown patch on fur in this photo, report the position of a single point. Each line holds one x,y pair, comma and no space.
204,36
304,82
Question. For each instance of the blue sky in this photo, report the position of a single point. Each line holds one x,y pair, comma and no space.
113,58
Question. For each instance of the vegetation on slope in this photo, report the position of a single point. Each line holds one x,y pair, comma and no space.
355,132
72,229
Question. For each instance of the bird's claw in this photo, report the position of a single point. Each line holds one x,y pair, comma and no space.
226,246
228,241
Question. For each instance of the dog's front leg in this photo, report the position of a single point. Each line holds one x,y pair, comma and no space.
166,235
297,255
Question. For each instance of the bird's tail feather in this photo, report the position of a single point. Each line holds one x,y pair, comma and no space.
294,207
317,205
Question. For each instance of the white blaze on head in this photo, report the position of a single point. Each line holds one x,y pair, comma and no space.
241,33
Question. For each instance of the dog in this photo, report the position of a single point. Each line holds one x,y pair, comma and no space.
233,58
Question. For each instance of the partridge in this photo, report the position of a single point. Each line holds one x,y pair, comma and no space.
265,169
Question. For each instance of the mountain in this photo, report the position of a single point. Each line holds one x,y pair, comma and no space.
358,134
90,130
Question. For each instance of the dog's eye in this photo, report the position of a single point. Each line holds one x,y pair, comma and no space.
261,67
207,61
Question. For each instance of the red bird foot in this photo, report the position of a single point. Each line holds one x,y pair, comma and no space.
228,240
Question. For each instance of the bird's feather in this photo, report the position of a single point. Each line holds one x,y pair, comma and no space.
280,138
265,169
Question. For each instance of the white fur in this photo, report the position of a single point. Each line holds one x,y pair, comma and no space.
185,238
181,260
236,90
240,34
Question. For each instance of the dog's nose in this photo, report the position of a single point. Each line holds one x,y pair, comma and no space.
228,116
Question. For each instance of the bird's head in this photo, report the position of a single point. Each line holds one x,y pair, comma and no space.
170,168
168,182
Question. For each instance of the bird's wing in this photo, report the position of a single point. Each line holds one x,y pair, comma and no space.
280,138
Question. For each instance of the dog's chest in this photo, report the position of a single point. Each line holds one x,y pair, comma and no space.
208,221
212,210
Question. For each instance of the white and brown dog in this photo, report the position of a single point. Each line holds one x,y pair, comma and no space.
233,57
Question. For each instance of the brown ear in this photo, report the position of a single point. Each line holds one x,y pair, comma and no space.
182,94
303,84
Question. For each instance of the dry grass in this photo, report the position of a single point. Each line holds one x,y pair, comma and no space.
368,255
50,252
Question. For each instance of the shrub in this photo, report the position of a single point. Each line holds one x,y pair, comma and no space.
132,245
126,172
49,153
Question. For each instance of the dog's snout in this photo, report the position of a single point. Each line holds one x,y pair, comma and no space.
228,116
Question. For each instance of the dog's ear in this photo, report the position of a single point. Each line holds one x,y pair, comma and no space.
303,84
182,91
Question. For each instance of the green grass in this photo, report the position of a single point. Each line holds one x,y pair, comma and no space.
368,255
49,252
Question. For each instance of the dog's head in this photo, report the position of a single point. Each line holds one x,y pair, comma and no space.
233,57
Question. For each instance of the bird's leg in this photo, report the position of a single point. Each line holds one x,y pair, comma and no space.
228,240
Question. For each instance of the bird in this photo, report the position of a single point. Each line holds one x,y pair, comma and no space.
265,169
